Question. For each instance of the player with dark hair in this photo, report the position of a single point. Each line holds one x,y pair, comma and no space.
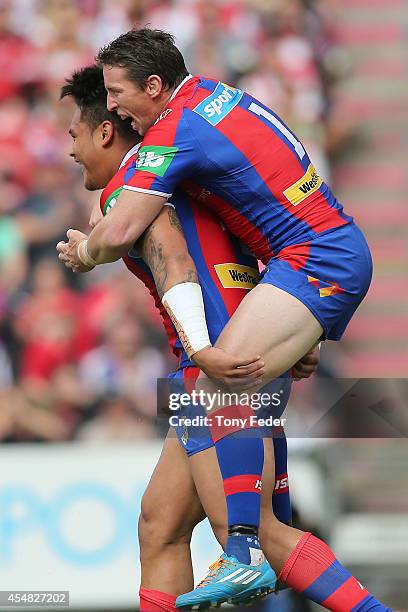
92,117
304,562
161,258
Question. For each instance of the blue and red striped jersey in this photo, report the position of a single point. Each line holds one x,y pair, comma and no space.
225,269
239,159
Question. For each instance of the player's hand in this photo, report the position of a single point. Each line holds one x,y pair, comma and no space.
306,366
219,365
68,253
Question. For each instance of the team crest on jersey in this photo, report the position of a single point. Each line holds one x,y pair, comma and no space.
155,159
304,187
219,104
111,201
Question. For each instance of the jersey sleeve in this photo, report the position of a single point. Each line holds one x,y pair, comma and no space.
168,154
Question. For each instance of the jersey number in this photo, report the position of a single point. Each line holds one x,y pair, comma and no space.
261,112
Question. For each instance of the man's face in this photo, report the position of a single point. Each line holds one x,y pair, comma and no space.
128,100
88,151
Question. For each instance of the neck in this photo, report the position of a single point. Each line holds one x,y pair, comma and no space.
167,98
170,93
118,154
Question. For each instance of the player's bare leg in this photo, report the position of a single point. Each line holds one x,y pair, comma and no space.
170,511
274,324
209,486
280,538
301,561
271,323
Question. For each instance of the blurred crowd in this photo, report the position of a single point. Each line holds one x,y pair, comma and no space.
79,356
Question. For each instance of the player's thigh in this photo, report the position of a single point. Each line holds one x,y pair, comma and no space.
170,505
274,324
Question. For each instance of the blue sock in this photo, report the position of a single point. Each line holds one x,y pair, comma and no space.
244,548
240,457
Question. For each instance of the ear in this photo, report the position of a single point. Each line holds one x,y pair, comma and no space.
154,86
107,131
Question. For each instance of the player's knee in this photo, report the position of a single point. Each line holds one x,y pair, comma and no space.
155,537
153,526
158,529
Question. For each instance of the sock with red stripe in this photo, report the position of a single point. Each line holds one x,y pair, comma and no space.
281,505
156,601
240,455
313,570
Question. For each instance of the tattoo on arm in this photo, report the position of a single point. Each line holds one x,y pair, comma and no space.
191,277
174,220
153,253
153,256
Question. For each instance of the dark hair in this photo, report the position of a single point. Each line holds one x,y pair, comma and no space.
87,88
145,52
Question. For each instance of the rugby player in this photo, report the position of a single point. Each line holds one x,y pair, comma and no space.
313,567
106,148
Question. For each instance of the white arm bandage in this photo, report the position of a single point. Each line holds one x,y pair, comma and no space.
184,303
83,254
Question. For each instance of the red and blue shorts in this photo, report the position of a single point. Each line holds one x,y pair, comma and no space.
197,437
329,274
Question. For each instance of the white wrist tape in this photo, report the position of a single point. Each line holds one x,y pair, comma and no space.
184,303
83,254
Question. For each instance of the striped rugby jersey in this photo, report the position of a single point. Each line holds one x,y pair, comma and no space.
236,157
225,270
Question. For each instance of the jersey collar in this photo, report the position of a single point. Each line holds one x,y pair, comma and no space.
183,82
129,154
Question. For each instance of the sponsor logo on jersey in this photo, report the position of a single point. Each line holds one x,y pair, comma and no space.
237,276
155,159
163,115
304,187
219,104
111,200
